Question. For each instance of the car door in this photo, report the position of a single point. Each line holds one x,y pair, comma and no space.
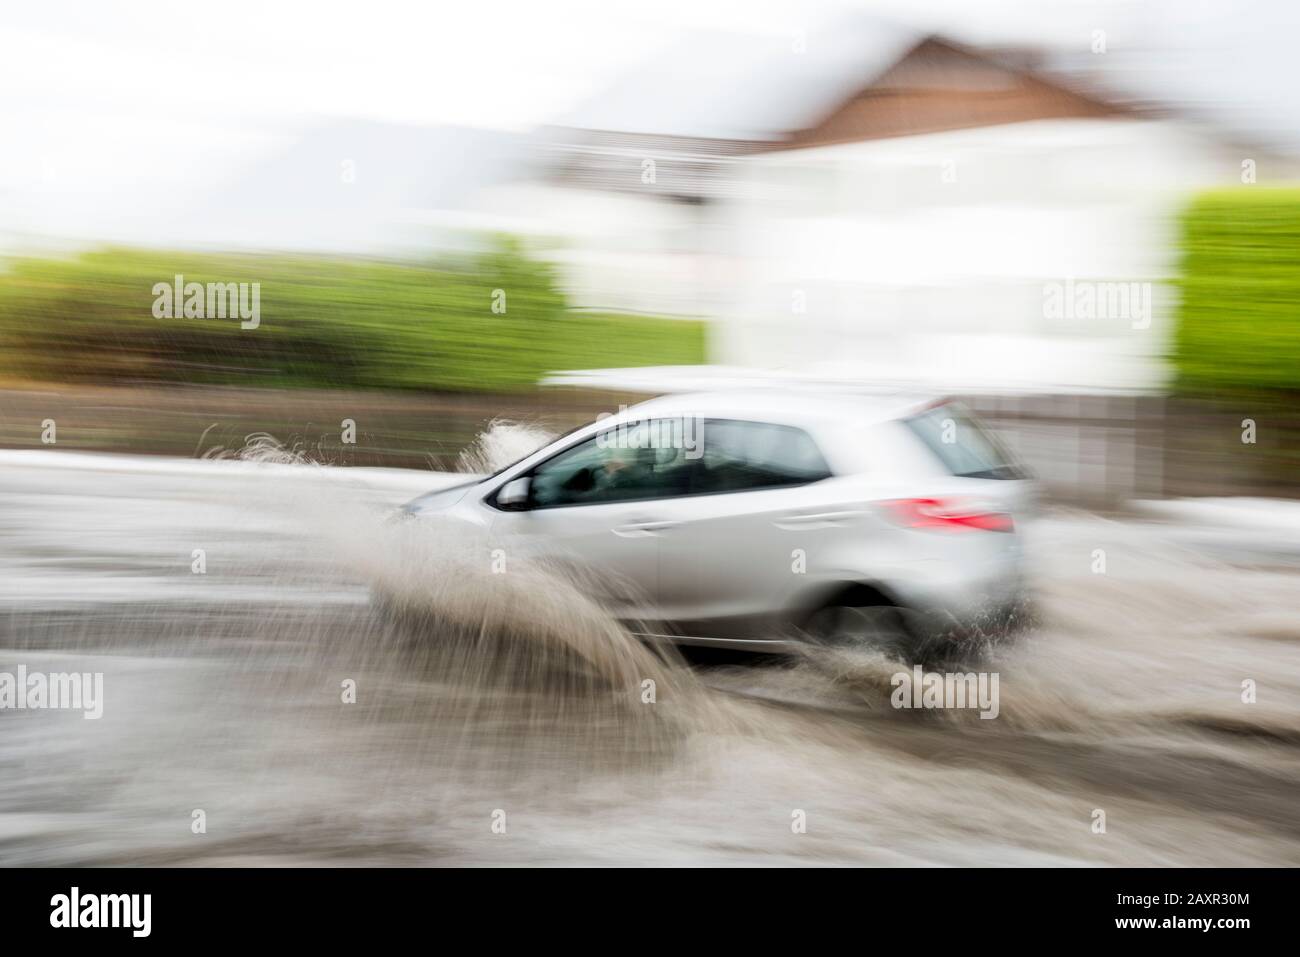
733,554
595,510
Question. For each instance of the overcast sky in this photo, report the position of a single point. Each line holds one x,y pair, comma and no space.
108,107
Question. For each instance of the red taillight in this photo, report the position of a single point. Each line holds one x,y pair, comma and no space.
948,515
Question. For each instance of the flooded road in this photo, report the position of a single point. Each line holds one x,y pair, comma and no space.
506,720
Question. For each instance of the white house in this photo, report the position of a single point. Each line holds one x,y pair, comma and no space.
966,221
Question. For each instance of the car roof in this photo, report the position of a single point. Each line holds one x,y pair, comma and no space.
786,406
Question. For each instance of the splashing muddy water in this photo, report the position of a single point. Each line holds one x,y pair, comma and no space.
486,698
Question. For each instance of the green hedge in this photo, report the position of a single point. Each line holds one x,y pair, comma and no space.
1239,316
324,323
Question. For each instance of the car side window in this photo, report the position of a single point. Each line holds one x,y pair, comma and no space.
616,466
738,456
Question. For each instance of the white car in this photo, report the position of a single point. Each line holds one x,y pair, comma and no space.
756,518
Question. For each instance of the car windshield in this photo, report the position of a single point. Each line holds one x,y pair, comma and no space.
962,444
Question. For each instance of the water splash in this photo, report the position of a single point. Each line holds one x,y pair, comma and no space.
502,443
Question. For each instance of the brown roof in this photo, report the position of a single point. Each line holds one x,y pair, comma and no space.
940,86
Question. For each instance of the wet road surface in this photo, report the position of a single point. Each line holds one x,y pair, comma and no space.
508,723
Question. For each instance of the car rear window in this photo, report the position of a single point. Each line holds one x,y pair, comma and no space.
962,444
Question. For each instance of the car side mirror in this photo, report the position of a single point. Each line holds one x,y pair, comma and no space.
514,494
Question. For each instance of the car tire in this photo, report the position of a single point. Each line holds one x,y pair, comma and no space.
881,628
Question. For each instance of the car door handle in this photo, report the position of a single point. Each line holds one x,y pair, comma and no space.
796,520
647,527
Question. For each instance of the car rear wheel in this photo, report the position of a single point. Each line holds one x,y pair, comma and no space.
859,627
